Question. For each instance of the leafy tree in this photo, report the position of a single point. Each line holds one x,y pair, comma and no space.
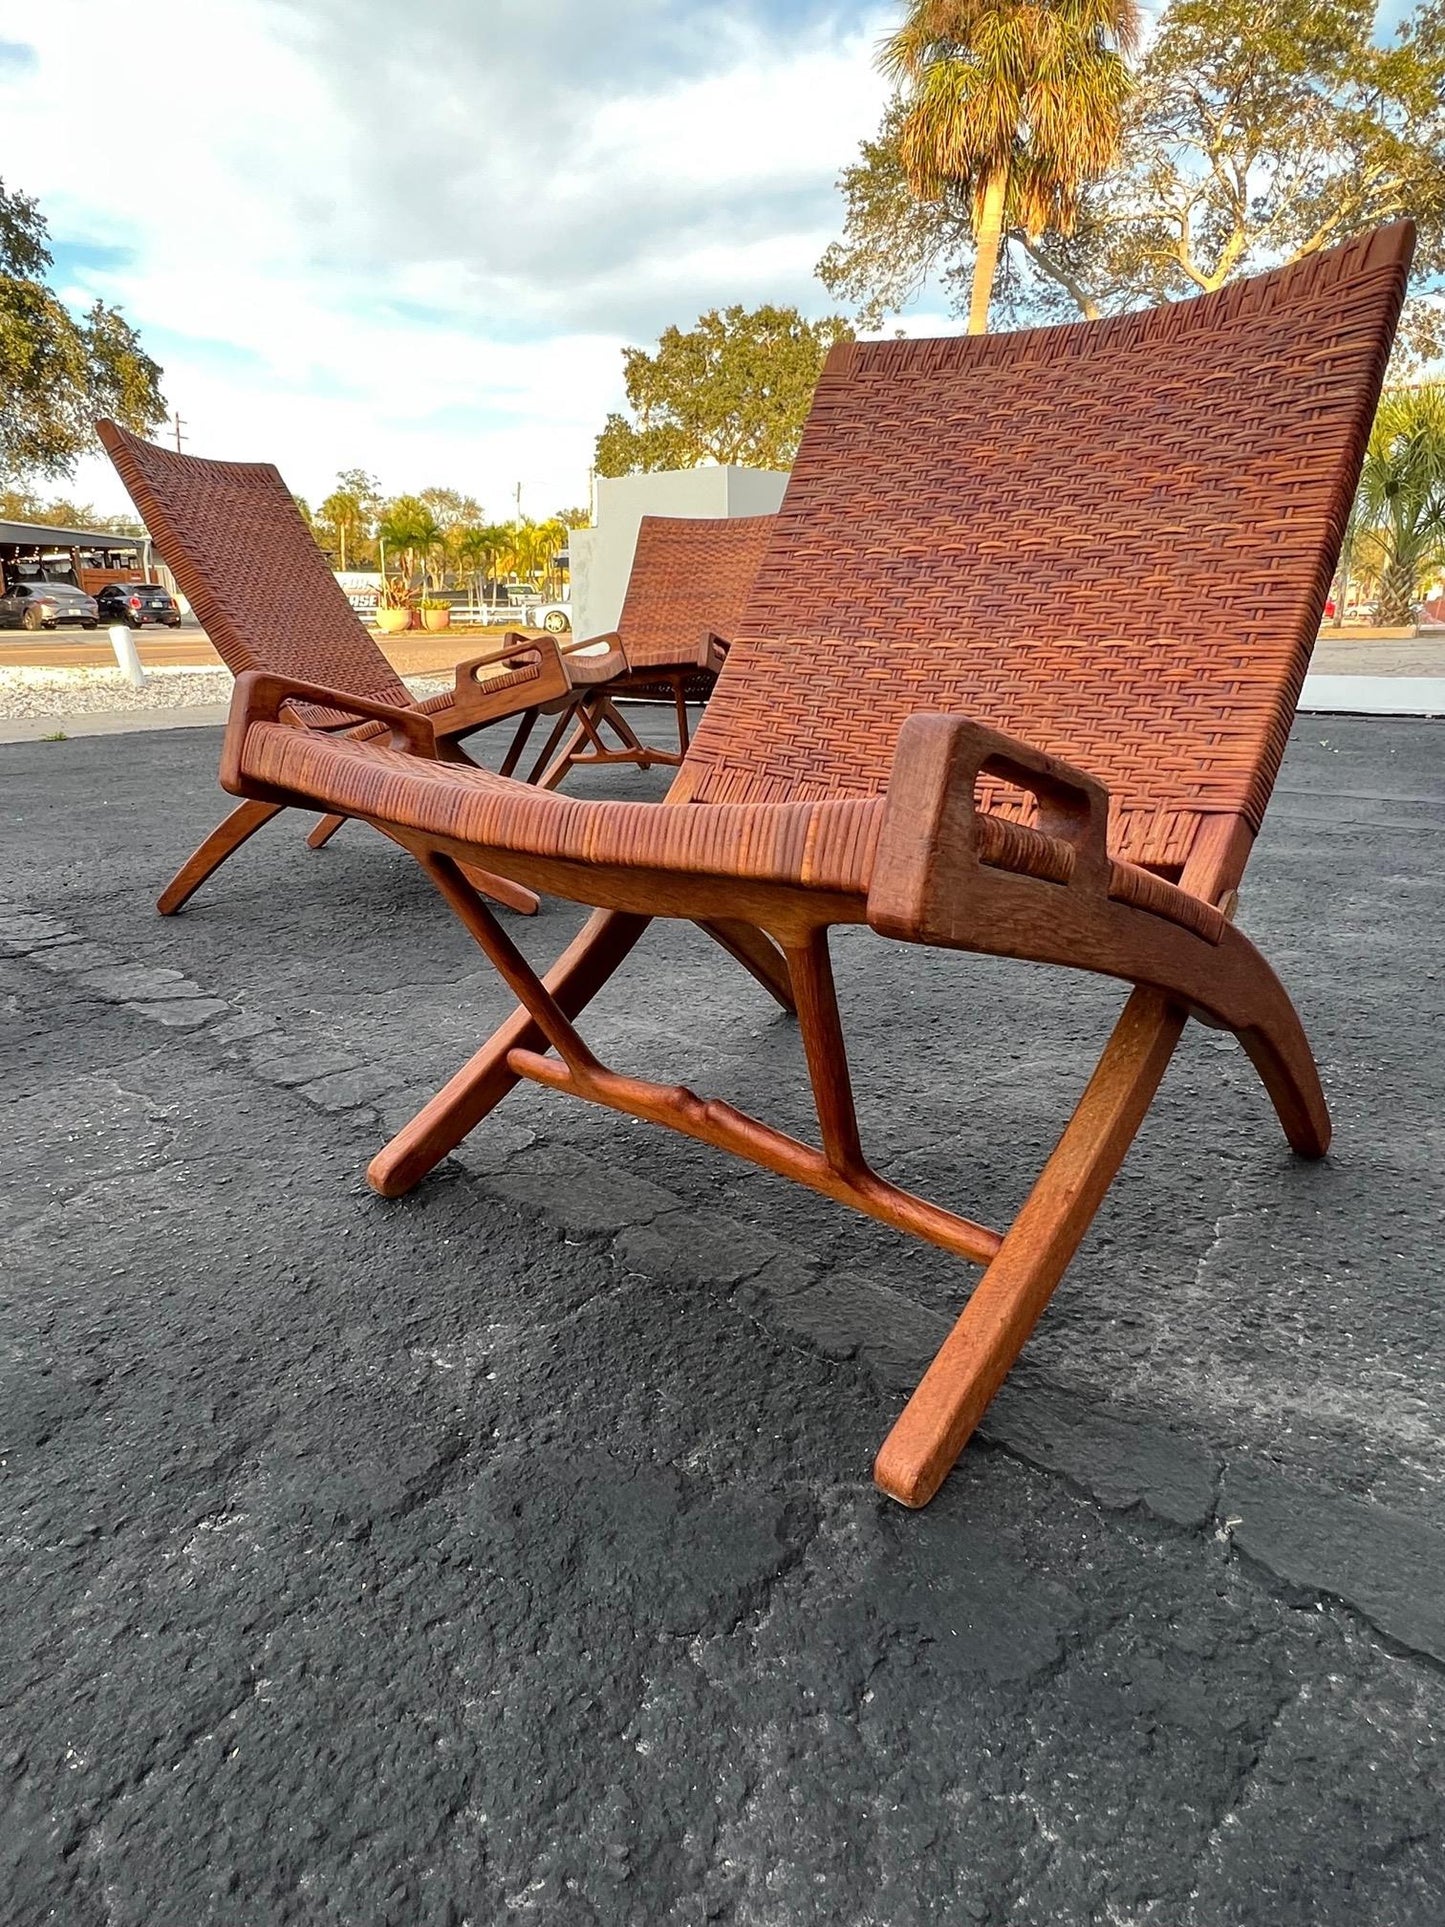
19,504
1260,132
363,485
450,507
534,547
59,372
24,505
735,388
349,513
1009,106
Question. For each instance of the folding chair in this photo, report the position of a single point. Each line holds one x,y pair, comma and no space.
231,535
1016,676
686,596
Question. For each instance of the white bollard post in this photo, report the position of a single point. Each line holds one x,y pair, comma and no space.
126,655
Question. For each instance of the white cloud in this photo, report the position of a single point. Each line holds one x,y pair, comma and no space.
418,244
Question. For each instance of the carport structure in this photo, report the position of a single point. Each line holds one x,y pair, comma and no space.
93,557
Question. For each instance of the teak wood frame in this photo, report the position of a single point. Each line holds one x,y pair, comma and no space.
469,706
943,880
1202,460
594,709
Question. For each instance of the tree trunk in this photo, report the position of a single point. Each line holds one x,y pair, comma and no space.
1399,583
988,240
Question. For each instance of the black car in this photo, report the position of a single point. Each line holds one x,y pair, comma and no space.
137,603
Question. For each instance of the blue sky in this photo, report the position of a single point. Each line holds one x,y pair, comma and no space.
417,239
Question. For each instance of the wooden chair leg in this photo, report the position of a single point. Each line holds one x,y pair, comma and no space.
1281,1054
995,1325
558,730
585,732
515,896
812,976
518,743
324,831
608,712
757,954
574,980
229,835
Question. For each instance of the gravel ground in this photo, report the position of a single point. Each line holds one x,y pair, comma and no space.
508,1552
45,693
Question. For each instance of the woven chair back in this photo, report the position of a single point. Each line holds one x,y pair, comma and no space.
233,538
690,578
1113,539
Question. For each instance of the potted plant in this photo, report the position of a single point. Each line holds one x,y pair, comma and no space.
393,605
436,612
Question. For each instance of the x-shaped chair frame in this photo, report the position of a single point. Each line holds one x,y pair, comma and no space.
950,873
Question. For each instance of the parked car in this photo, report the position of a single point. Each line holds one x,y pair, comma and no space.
556,616
137,603
519,602
45,605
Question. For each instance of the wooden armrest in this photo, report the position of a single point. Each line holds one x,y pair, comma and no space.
935,839
512,645
474,701
712,650
574,643
259,697
590,660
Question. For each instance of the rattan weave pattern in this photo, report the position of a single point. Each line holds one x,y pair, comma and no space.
830,844
827,845
691,578
1112,540
231,535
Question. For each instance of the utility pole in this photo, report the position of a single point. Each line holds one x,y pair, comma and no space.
177,424
519,501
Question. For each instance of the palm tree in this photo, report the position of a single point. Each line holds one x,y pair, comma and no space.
1019,102
431,536
344,513
1400,508
536,546
409,525
479,550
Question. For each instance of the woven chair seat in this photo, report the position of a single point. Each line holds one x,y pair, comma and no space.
826,845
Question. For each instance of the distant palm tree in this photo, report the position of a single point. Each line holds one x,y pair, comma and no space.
537,545
1400,509
431,537
478,550
344,513
409,525
1018,101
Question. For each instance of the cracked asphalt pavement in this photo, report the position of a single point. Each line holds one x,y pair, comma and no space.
508,1552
